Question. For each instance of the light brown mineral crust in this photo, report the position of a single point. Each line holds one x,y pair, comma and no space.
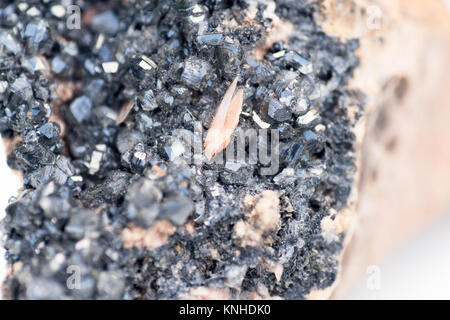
151,239
403,178
206,293
190,228
280,30
263,213
261,293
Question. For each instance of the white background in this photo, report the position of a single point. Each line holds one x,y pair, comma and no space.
419,270
9,184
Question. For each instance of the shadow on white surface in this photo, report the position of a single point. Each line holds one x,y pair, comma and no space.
418,270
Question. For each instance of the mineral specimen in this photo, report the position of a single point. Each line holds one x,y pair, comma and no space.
115,198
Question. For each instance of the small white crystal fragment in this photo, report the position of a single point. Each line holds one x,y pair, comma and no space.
94,165
259,122
110,67
33,12
58,10
147,63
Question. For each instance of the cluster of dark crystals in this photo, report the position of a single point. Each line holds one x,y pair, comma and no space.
173,60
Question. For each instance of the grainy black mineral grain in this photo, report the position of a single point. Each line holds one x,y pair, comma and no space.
174,61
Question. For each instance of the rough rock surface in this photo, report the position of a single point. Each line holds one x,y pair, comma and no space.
119,202
403,136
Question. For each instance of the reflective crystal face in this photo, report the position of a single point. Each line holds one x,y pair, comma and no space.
131,204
